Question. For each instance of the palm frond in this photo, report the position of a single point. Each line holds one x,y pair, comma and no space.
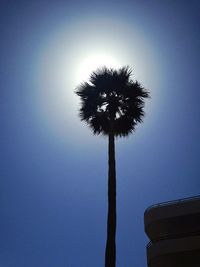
111,95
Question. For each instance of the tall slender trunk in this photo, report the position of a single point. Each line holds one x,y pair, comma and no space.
110,254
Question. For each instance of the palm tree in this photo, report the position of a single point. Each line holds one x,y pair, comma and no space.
112,105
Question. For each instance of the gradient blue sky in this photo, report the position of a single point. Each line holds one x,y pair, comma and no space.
53,183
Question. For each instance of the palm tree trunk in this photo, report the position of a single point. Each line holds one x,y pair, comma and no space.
110,255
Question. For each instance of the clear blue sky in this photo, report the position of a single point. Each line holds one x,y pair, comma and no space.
53,182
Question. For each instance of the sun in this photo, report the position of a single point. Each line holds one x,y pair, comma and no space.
91,63
69,57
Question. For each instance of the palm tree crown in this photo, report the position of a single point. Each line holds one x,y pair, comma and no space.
111,96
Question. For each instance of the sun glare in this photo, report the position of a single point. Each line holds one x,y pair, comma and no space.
91,63
69,58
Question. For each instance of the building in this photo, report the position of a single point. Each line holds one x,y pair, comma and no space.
174,232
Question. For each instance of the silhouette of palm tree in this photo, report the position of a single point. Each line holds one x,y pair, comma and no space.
111,104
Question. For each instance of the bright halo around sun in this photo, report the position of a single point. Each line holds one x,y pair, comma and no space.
69,57
93,62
